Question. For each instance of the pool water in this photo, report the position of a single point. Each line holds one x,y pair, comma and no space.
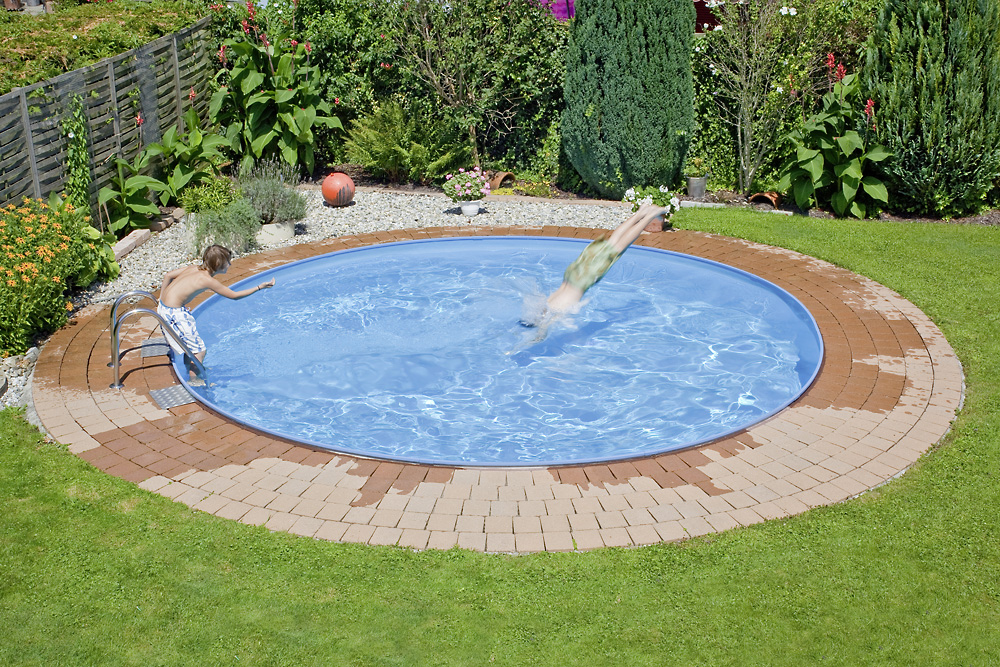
413,351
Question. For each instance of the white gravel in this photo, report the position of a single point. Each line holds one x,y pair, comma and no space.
372,211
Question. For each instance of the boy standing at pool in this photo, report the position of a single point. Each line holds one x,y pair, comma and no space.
181,285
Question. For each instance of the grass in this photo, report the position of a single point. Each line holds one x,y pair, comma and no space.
95,571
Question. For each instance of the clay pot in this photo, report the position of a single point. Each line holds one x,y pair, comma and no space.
338,189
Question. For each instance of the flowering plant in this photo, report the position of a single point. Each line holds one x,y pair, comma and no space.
657,196
45,248
466,185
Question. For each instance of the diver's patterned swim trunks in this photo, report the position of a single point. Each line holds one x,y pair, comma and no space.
182,322
591,265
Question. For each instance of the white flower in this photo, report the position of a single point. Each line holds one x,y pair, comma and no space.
784,11
664,189
70,135
718,27
791,10
629,195
74,36
675,203
645,201
780,89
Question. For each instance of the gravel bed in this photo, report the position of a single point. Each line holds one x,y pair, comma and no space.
144,267
372,211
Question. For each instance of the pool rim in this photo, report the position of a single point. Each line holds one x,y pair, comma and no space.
791,301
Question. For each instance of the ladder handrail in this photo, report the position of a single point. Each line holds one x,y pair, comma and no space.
169,330
125,295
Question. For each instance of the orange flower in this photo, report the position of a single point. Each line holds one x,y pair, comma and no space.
69,305
26,278
12,282
55,279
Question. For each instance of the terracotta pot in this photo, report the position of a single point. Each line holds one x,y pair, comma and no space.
338,189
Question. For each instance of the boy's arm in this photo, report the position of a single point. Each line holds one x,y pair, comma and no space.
219,288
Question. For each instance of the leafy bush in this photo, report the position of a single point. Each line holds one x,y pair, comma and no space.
268,186
185,159
629,98
493,69
214,193
835,154
399,147
653,196
125,203
45,248
933,70
270,99
234,226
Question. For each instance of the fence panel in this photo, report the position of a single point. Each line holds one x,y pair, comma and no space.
153,80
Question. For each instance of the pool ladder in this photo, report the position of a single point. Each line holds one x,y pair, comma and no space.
116,325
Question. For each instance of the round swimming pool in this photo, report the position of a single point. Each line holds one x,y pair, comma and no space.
413,351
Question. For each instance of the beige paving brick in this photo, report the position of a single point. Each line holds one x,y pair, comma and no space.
442,540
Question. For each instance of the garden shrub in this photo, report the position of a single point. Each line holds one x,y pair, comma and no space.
214,193
933,70
45,249
399,147
234,226
494,69
269,187
629,98
269,100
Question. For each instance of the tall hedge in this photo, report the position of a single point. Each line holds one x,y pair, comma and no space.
629,96
933,69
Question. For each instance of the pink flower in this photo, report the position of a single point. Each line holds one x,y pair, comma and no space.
294,43
308,47
336,100
191,95
870,108
138,120
222,53
461,171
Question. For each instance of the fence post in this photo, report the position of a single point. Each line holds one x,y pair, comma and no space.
26,122
114,107
177,81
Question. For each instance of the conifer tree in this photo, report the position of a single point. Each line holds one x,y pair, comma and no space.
933,70
629,92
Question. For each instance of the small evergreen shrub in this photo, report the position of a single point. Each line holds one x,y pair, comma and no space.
269,187
629,97
214,193
933,70
399,147
234,226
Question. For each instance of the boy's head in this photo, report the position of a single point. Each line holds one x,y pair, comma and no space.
216,259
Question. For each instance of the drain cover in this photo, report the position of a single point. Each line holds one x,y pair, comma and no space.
171,397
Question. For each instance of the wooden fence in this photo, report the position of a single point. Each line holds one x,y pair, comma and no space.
154,80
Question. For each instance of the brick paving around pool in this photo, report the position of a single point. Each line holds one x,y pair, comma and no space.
888,391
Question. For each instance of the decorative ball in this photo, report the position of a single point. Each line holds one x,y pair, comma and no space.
338,189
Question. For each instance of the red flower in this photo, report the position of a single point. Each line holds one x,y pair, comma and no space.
294,43
246,26
308,47
336,100
870,108
831,62
191,95
222,53
840,73
138,120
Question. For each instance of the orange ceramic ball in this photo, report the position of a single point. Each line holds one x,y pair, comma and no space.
338,189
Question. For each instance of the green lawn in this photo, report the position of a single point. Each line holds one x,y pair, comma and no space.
94,571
